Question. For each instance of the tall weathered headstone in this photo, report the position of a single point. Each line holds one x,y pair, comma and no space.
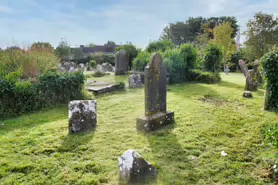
251,84
121,64
156,115
243,67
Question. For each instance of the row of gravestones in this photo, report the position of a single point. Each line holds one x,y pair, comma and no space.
83,117
73,67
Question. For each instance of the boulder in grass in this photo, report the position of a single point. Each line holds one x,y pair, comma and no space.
247,94
135,169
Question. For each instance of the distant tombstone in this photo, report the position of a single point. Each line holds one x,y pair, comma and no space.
72,69
251,84
156,115
243,67
121,64
227,69
100,68
135,81
82,115
66,66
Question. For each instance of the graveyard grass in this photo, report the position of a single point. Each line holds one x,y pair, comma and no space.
36,148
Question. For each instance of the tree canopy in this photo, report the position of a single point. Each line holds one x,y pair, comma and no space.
187,31
261,34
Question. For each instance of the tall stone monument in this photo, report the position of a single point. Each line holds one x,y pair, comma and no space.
251,84
121,64
243,67
156,115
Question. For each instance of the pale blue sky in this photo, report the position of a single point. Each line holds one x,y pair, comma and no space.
85,21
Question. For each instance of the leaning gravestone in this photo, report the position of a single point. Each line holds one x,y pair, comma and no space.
134,169
251,84
156,115
82,115
121,64
135,81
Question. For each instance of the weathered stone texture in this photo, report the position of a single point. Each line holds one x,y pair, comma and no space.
82,115
134,169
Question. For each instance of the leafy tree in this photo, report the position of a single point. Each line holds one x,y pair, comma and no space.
187,31
42,46
110,43
92,45
261,33
178,33
222,38
63,50
161,45
131,51
212,59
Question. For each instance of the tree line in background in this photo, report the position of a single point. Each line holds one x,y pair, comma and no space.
202,33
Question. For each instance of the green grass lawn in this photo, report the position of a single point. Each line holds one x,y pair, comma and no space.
36,148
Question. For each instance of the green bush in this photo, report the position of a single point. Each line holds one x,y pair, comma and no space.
180,61
161,45
93,64
32,62
212,58
271,134
204,77
98,74
53,88
141,61
269,63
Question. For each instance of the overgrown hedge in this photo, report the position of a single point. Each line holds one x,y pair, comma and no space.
51,89
269,64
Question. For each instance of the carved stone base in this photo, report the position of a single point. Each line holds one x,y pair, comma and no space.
155,121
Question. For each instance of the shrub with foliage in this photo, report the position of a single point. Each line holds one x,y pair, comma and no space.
31,62
269,64
98,74
93,64
18,97
212,58
161,45
204,77
180,61
141,61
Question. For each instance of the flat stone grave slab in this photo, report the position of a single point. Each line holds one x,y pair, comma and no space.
101,87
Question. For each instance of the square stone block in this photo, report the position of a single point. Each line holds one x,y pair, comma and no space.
82,115
155,121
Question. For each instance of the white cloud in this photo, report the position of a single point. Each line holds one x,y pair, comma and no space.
126,20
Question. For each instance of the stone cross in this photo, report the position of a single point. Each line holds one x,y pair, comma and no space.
121,64
155,84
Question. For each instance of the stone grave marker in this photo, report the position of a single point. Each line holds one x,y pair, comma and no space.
243,67
156,115
82,115
121,64
135,81
251,84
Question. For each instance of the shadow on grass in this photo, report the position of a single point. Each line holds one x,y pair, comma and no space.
171,159
77,141
231,85
30,120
